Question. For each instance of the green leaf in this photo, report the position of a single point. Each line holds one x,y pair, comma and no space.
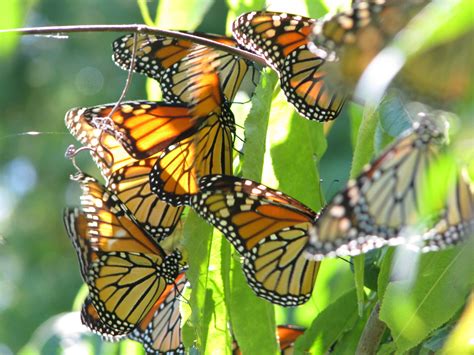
253,319
387,349
329,325
253,337
412,309
184,15
385,273
334,279
218,337
439,23
256,126
363,152
347,344
197,241
297,146
145,12
394,117
12,15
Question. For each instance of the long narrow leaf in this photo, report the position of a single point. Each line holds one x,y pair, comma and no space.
414,308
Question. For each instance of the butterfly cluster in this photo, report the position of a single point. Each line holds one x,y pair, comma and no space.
157,158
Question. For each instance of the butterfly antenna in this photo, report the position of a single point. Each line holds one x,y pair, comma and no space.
71,153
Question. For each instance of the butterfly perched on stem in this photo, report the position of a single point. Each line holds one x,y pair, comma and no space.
168,59
208,150
125,270
282,40
438,75
396,200
125,170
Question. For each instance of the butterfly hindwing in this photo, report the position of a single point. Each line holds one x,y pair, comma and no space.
268,229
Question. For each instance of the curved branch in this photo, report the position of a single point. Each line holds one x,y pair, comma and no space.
136,28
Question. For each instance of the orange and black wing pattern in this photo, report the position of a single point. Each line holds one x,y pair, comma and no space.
129,271
75,222
356,36
268,229
167,60
174,177
457,218
125,176
286,335
282,40
160,330
383,203
142,127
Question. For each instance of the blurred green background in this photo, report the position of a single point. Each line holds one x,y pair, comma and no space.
42,78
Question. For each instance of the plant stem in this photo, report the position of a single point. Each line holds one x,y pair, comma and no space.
372,334
136,28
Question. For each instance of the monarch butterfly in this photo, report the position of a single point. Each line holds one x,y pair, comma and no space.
286,334
167,60
384,201
126,271
282,40
438,75
75,222
268,229
160,330
125,175
208,151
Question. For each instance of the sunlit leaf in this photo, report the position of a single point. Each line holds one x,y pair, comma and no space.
181,14
12,14
197,240
412,308
329,325
461,340
253,337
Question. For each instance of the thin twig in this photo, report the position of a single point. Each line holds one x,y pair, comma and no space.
136,28
372,334
129,77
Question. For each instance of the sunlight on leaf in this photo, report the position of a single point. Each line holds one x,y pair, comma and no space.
253,337
198,239
442,283
461,340
329,325
145,12
12,13
184,15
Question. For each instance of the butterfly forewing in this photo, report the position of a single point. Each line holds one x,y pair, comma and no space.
126,176
168,60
